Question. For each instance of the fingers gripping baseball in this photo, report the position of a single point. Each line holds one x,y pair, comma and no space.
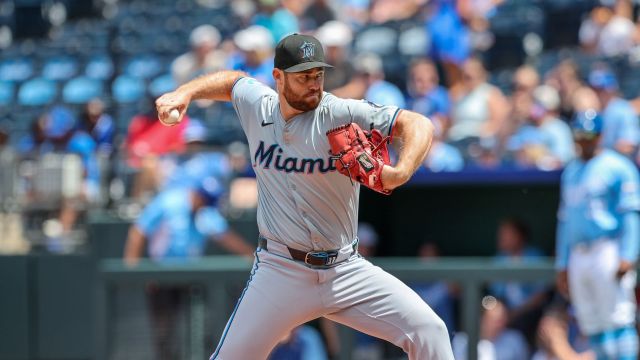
171,107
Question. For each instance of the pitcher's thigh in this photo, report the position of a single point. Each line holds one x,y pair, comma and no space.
390,310
266,312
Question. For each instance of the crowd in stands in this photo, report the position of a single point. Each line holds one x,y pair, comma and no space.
500,79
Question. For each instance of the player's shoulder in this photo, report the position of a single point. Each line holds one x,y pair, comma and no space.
612,160
252,86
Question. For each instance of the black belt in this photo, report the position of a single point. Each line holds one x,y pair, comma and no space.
315,258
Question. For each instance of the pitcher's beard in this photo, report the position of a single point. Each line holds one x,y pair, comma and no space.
301,103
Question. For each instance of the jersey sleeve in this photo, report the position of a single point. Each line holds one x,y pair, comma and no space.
250,98
366,114
629,193
150,217
630,128
211,223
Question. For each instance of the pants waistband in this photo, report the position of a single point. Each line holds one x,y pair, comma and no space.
322,258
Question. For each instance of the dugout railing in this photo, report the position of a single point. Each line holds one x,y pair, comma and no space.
217,272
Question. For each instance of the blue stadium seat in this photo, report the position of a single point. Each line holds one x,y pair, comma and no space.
60,68
99,67
37,92
128,89
144,66
7,89
18,70
162,84
82,89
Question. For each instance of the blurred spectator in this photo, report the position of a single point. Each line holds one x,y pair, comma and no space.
354,13
175,226
524,81
256,53
621,130
279,20
545,142
476,14
442,156
302,343
496,340
99,125
479,108
523,301
336,37
146,136
451,43
195,164
384,11
370,80
204,56
71,185
426,96
574,94
554,339
51,131
318,13
12,240
609,30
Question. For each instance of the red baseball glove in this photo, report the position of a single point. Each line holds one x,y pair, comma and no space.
360,154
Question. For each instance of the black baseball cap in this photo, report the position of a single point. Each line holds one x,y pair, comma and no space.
298,52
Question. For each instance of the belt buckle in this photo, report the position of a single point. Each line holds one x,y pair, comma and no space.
326,257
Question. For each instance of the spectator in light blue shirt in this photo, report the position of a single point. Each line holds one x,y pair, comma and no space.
378,91
545,142
621,127
426,96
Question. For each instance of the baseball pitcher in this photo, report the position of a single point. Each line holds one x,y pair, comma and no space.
311,151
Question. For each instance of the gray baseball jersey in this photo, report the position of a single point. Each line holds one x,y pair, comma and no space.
303,201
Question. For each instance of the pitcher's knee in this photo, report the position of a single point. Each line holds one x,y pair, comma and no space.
434,330
429,339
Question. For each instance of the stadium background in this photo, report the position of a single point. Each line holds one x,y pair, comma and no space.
56,56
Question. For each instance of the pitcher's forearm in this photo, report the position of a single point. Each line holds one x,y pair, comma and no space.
214,86
416,135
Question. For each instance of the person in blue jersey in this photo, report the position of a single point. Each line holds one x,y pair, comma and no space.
176,225
621,126
597,241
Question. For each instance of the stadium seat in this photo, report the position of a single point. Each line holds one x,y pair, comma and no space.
127,89
99,67
144,66
7,89
162,84
60,68
37,92
82,89
18,70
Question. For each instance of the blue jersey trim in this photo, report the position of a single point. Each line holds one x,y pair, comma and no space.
226,330
393,122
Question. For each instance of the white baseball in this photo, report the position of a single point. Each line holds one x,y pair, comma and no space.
173,117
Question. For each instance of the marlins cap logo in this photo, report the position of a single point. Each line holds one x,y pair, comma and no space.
307,49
